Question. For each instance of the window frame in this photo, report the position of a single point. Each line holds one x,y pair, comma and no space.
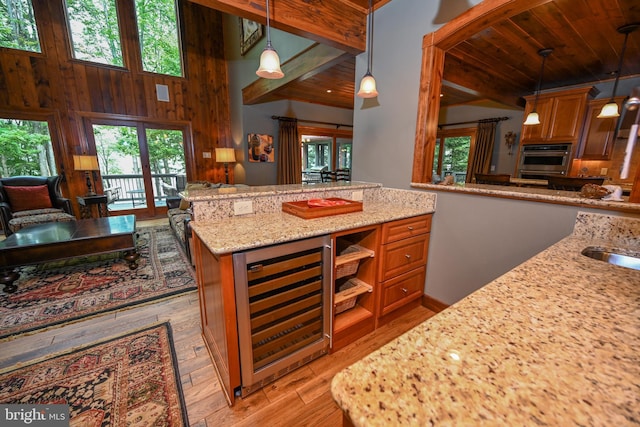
442,134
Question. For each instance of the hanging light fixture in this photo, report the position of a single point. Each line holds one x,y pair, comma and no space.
368,83
533,118
269,60
610,109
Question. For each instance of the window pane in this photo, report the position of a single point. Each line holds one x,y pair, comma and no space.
166,156
456,157
26,148
95,34
158,32
18,25
344,153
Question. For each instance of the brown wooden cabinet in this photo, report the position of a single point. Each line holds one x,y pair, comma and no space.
402,266
596,141
561,116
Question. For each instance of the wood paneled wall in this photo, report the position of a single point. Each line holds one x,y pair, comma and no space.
53,85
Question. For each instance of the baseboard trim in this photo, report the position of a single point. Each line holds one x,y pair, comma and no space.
433,304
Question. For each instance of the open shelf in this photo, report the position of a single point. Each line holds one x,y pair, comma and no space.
347,262
345,299
350,317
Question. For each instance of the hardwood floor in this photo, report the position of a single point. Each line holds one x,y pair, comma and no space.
301,398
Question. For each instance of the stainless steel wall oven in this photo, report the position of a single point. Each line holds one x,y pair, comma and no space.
283,299
541,160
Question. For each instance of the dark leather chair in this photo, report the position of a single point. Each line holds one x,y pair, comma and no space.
36,206
493,179
570,183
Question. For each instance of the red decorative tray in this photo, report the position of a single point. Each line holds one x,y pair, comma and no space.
317,208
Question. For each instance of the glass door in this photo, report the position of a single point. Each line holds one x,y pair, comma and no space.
140,165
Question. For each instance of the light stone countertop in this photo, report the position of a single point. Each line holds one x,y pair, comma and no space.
555,341
247,232
534,194
223,232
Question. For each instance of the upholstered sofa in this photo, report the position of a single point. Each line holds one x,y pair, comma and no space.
179,213
29,200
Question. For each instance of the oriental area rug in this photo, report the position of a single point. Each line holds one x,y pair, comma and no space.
66,291
130,380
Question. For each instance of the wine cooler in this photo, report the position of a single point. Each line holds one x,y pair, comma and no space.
283,304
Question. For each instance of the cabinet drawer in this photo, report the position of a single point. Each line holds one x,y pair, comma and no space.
404,228
403,255
402,289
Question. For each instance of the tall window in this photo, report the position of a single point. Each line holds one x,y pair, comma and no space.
95,33
451,156
26,148
18,25
316,152
159,40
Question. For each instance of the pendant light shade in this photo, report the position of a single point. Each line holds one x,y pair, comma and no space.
610,109
533,118
269,60
368,82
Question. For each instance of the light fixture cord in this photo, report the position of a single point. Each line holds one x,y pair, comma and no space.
268,32
615,84
370,38
535,103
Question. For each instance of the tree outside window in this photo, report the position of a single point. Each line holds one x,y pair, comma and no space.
158,34
18,25
95,33
26,148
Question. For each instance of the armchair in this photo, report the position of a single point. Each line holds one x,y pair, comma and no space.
27,200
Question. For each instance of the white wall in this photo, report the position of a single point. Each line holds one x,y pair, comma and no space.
474,239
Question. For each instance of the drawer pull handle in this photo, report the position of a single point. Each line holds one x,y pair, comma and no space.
405,290
410,228
407,256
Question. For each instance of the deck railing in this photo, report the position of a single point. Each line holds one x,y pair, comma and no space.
130,187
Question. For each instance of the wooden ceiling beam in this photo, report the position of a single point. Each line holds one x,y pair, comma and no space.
306,64
465,75
481,16
328,21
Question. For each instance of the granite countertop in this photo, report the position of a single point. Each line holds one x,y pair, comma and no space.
247,232
555,341
534,194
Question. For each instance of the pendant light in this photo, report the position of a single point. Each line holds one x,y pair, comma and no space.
368,83
533,118
610,109
269,60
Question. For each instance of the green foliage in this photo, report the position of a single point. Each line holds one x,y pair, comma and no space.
18,25
94,30
26,148
158,34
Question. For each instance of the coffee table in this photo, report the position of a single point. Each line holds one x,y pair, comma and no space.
61,240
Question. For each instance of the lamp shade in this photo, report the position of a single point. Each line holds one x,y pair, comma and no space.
85,163
269,64
532,119
609,110
368,87
225,155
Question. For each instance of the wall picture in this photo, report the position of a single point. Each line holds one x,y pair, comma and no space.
250,33
261,148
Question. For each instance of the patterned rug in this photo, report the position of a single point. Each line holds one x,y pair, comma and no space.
130,380
60,292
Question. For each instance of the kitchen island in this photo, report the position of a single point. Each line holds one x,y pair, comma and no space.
234,295
554,341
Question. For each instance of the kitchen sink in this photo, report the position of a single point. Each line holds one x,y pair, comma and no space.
619,257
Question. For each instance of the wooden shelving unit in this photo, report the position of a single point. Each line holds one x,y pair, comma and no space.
355,266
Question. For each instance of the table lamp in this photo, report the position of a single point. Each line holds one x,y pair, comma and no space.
226,156
86,163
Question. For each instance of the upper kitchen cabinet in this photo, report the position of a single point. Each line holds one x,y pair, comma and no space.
561,116
596,142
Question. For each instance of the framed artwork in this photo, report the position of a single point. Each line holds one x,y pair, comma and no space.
261,148
250,33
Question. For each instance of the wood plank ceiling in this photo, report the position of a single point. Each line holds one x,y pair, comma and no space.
501,63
